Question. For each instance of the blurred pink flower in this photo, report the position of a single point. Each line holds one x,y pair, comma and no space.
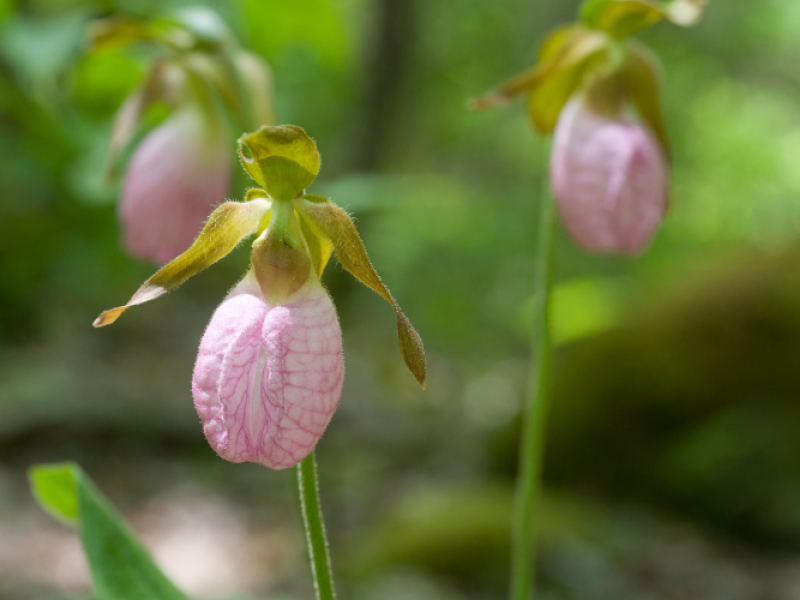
609,177
268,378
176,176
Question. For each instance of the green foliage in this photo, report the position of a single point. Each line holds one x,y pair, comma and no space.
121,568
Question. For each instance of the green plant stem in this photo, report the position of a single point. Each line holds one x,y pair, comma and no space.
315,528
535,410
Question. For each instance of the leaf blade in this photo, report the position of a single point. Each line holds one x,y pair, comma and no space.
121,567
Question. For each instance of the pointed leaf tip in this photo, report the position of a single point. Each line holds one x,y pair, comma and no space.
336,225
226,227
120,566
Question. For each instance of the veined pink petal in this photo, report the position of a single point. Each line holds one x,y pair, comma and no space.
268,378
176,176
609,178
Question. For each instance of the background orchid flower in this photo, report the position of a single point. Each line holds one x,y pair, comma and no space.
269,370
609,176
608,169
176,176
182,168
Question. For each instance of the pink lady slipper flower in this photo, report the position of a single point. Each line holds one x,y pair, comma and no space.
182,169
269,372
608,169
609,176
175,177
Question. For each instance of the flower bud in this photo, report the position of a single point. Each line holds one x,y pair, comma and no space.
268,378
609,176
176,176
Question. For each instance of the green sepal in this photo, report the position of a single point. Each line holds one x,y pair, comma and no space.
623,18
573,64
204,24
255,78
226,227
337,226
565,58
282,159
320,248
643,87
112,33
159,85
121,568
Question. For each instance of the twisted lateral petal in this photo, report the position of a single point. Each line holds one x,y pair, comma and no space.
332,222
176,176
268,378
609,178
226,227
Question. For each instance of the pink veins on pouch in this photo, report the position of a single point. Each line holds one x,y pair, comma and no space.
610,179
268,378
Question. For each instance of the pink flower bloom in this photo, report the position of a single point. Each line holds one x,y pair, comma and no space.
268,378
176,176
610,179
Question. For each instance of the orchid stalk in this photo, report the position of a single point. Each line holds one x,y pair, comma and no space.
608,172
269,370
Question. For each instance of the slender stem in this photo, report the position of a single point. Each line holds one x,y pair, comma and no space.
535,410
315,528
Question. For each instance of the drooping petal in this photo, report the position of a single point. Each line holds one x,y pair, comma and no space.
228,225
177,175
609,178
336,225
268,378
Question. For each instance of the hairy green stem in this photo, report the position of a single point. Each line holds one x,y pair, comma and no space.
535,410
315,528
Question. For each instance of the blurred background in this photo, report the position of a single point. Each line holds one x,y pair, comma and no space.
673,453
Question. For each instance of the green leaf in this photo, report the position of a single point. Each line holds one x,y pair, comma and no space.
121,568
337,226
54,488
226,227
282,159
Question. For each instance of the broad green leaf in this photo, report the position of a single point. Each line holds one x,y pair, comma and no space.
643,78
55,489
622,18
337,226
282,159
121,568
226,227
